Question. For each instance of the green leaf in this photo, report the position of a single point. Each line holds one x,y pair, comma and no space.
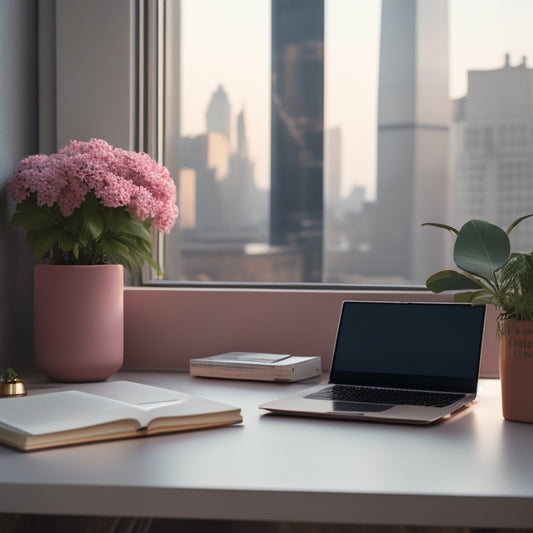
91,217
481,248
481,297
90,202
450,280
140,251
114,219
66,242
155,266
74,224
135,226
467,296
443,226
76,250
118,253
93,225
31,217
484,298
42,240
516,222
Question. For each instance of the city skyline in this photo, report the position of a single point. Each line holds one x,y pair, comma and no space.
377,239
480,36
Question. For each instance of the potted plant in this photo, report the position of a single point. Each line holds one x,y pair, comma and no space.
88,211
491,274
11,384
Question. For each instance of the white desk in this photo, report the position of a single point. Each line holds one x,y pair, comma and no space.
475,470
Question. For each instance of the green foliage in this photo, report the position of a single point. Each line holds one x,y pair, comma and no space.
8,375
92,235
489,273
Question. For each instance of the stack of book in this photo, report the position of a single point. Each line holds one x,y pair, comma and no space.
257,366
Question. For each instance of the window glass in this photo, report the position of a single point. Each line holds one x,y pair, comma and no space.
316,136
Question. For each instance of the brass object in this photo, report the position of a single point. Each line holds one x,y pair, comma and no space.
12,388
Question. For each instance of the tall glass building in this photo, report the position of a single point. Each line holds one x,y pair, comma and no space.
297,130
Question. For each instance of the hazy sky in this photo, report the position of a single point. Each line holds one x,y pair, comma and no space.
228,42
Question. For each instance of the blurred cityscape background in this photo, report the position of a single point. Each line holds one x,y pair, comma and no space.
437,158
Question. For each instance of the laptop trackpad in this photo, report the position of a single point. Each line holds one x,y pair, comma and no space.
360,407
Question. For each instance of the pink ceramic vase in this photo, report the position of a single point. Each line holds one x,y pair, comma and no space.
516,369
78,321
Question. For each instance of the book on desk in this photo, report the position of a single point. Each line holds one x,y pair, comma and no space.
256,366
105,411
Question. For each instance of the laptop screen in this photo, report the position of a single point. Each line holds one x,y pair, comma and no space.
433,346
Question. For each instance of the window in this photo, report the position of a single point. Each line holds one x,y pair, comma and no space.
316,136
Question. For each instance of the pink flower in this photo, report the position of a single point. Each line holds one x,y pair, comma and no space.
119,178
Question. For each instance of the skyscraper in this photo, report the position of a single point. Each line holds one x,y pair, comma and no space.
493,149
239,190
242,139
218,113
413,130
208,155
296,210
187,198
332,171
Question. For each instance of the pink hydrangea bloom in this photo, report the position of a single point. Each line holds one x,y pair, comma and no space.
118,178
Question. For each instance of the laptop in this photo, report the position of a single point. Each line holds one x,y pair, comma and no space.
414,363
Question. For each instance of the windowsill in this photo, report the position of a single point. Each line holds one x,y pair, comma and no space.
166,326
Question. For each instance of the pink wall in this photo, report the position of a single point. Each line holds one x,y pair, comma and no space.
165,327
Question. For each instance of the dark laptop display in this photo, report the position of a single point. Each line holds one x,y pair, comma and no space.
406,345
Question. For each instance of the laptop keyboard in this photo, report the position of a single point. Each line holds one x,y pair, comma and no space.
351,393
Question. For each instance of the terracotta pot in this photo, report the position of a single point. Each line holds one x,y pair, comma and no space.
78,321
516,369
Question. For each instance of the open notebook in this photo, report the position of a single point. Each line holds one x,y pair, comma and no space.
397,362
93,412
